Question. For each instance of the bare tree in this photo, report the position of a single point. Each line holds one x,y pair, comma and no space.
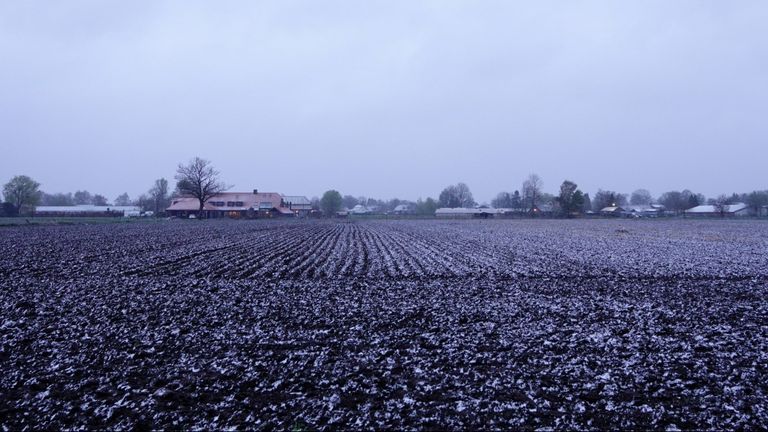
532,190
502,200
448,198
721,205
199,179
457,195
83,197
641,197
123,200
159,194
606,198
464,195
56,199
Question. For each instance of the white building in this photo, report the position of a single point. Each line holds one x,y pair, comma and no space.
86,210
359,210
651,210
731,210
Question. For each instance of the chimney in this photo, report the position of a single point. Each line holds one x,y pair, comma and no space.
255,191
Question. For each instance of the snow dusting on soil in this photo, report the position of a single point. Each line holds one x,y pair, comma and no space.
385,324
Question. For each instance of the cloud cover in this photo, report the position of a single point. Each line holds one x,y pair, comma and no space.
386,98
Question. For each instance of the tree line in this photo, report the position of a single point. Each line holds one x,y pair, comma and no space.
199,179
22,194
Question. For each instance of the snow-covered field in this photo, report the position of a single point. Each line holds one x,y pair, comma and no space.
385,324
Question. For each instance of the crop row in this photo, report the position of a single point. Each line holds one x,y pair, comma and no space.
394,250
385,325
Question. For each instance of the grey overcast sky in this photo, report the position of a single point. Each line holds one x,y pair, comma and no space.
386,98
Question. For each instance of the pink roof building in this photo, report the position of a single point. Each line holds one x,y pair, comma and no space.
233,204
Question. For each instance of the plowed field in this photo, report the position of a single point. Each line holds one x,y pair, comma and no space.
385,324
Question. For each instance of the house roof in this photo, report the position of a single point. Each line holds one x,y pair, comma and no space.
297,199
732,208
513,210
611,209
359,209
643,208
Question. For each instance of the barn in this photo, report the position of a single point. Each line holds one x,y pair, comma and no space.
238,205
732,210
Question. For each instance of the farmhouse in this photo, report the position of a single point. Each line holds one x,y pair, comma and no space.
241,205
732,210
86,210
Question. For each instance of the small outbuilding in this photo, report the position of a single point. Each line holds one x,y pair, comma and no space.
299,205
612,211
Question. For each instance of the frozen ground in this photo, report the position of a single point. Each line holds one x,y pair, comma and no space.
388,324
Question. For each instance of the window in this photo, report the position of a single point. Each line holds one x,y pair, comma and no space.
230,203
